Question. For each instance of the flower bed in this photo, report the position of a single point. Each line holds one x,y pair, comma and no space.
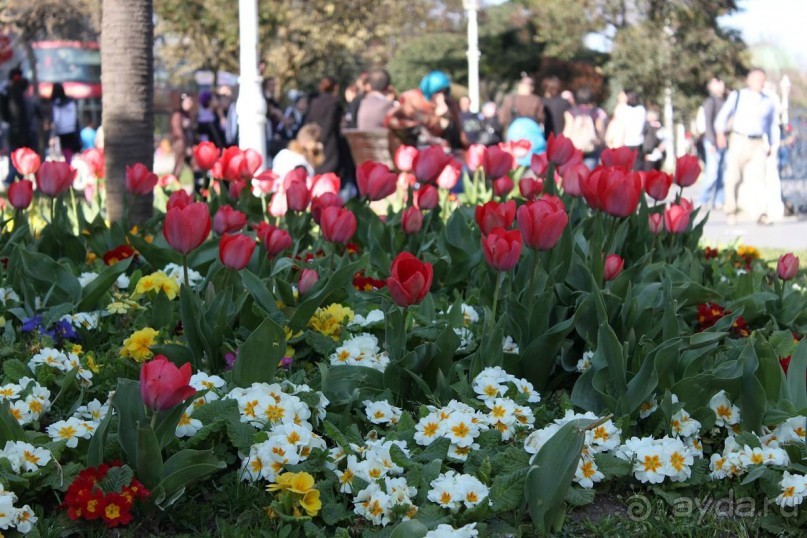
472,365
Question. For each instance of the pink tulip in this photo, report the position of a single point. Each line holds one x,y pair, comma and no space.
308,277
26,161
54,177
163,385
788,266
140,180
235,250
228,220
20,193
613,266
186,228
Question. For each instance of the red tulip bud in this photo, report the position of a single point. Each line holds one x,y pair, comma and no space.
186,228
503,186
308,278
656,223
140,180
228,220
427,197
54,177
163,385
412,220
205,154
235,250
410,279
530,187
613,266
502,249
788,266
275,240
338,224
20,193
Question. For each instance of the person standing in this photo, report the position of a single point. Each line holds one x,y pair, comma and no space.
207,120
555,106
584,124
749,115
326,111
522,104
375,104
64,113
14,112
715,157
471,121
634,119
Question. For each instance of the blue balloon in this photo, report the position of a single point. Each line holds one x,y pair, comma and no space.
527,129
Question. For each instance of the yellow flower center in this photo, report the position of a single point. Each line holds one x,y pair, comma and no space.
651,463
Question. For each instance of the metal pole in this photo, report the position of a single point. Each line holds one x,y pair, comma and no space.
251,106
472,6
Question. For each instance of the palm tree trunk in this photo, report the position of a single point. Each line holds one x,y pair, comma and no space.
127,60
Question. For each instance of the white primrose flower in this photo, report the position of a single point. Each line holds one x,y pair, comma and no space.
25,457
7,509
176,272
585,362
122,282
188,426
587,473
794,489
85,278
792,430
374,505
10,392
726,414
7,294
444,530
509,345
382,412
466,338
70,430
373,317
429,428
683,425
648,408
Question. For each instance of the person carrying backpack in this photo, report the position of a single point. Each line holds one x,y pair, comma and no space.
584,124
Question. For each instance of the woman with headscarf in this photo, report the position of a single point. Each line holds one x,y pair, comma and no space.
445,123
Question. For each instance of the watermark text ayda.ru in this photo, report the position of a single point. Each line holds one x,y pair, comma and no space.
642,507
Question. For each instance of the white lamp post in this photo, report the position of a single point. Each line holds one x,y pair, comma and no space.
784,84
251,106
472,7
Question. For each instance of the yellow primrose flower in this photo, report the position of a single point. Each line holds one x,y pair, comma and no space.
156,282
748,252
91,364
301,483
137,345
117,307
311,502
281,482
76,348
329,320
91,257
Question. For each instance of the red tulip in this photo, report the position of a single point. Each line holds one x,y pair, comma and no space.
228,220
687,170
503,186
20,193
163,385
205,154
518,149
319,203
430,163
254,162
530,188
499,162
619,192
324,184
559,150
427,197
235,250
54,177
657,184
477,157
375,180
676,217
235,187
622,156
231,166
186,228
613,266
410,279
140,180
573,177
338,224
502,249
275,240
450,175
542,222
308,277
411,220
297,196
178,199
94,157
295,175
788,266
405,157
576,159
655,222
493,214
539,164
25,160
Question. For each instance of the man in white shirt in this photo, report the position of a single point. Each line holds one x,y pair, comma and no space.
750,116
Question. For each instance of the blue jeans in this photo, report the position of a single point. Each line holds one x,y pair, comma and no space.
713,175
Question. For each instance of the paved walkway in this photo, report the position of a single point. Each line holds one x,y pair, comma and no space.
790,234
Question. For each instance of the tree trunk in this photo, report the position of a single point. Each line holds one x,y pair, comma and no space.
127,59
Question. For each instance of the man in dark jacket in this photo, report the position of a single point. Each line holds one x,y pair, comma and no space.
14,111
712,192
325,110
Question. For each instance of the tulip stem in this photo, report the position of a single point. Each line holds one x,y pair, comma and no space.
154,420
499,284
531,289
52,208
185,270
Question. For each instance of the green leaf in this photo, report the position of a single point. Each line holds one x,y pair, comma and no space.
240,434
579,496
10,429
116,479
50,278
149,458
259,355
410,529
183,469
96,289
551,476
339,280
131,412
796,374
95,451
15,370
507,491
260,292
611,466
158,257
